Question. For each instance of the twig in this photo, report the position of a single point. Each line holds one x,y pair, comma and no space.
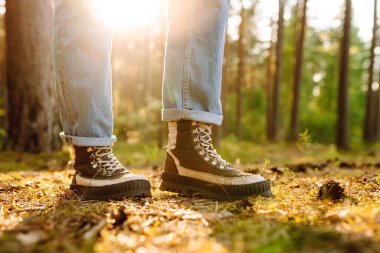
30,209
90,234
374,181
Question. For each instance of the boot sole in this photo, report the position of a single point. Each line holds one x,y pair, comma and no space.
188,186
135,188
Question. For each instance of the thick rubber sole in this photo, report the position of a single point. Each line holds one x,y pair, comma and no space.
188,186
134,188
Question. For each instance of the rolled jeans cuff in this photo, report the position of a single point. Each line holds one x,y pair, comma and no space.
87,141
178,114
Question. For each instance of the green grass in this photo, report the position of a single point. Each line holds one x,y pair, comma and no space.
258,235
16,161
140,154
237,152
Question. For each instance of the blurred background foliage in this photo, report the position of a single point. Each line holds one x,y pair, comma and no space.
138,54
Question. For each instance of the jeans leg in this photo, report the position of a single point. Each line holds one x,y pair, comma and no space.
193,60
82,51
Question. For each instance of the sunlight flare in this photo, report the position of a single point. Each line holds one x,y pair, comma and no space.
127,14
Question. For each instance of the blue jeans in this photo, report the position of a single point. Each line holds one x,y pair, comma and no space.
192,75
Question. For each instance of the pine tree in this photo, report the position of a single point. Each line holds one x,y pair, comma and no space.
343,121
299,51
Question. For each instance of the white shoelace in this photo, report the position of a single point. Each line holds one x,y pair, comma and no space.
107,161
205,143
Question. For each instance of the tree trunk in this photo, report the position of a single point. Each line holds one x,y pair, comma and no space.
342,124
369,120
300,35
240,73
225,82
278,75
31,108
161,125
376,115
268,86
220,131
376,125
147,70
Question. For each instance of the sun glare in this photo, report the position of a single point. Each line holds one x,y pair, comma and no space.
127,14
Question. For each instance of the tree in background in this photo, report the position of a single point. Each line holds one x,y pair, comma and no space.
225,80
137,74
31,109
273,128
370,122
240,71
161,131
223,129
268,85
342,123
2,78
299,51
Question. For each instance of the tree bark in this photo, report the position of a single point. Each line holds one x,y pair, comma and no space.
147,68
31,107
376,125
225,81
369,131
278,74
300,35
268,86
2,82
342,124
161,125
222,130
240,73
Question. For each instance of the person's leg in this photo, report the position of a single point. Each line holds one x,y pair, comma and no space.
193,60
191,101
82,51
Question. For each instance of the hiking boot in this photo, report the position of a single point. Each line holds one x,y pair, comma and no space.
100,176
192,165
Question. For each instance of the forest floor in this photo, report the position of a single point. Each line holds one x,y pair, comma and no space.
38,213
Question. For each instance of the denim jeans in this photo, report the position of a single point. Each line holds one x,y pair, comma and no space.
192,75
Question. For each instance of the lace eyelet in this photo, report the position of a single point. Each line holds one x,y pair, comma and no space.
207,158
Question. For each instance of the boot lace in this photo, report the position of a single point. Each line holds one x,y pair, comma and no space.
106,162
205,147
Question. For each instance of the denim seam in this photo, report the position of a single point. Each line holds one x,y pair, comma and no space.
186,74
